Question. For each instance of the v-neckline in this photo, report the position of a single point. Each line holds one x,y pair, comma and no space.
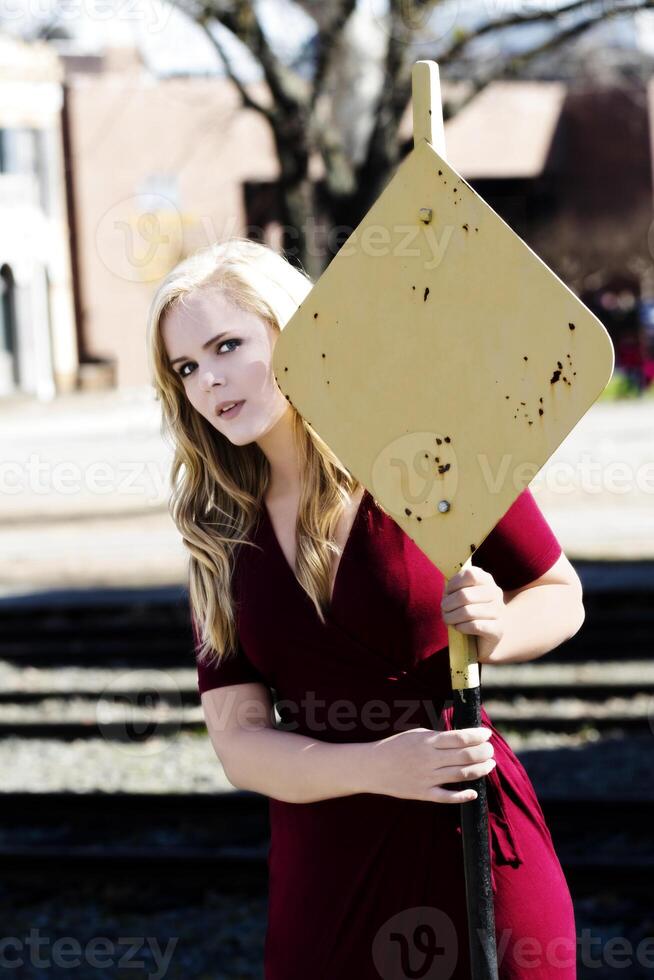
280,551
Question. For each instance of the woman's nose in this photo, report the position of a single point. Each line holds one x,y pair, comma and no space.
207,380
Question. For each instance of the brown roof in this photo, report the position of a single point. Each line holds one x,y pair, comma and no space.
504,131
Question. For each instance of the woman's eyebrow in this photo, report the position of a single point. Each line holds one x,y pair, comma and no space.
204,347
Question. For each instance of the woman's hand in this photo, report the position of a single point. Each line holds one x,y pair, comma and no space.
474,603
417,764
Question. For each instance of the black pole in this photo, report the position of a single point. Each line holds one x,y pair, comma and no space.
476,853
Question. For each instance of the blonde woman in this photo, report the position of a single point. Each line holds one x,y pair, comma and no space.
303,587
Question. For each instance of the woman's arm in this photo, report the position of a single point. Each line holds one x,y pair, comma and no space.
287,766
295,768
520,625
537,620
413,764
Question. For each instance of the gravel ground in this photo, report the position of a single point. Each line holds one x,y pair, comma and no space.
183,764
151,933
96,679
156,932
108,708
217,937
93,679
587,764
636,706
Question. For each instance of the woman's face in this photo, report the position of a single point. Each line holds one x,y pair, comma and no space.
223,354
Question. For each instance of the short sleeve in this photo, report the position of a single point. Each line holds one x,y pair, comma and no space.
521,547
236,669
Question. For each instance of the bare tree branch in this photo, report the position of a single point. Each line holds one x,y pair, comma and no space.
383,149
517,20
340,177
246,98
289,91
296,115
576,29
328,38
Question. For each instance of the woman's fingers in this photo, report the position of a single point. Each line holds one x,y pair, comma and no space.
457,774
439,795
469,754
456,737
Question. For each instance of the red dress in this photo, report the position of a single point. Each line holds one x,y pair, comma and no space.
367,886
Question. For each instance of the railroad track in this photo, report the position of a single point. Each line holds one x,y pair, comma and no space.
150,627
135,732
222,840
600,679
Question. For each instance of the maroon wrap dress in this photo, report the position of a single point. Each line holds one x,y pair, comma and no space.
369,886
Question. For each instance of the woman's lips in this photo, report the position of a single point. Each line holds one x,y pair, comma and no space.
231,413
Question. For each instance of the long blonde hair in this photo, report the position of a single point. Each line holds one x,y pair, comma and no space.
217,487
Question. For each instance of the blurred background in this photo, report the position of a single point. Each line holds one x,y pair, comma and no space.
132,135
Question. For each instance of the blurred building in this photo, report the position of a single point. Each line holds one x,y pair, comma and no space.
111,175
38,341
566,166
158,170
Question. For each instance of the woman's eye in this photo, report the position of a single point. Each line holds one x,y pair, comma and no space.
184,374
231,341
